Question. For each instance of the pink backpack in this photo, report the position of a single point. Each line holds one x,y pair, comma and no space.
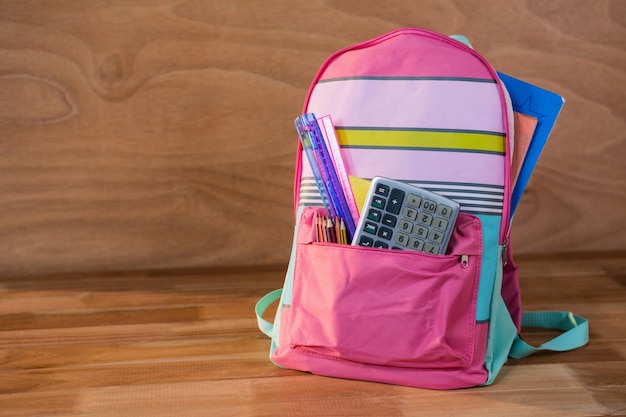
426,109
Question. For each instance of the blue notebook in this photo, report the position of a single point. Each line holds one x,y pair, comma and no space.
544,106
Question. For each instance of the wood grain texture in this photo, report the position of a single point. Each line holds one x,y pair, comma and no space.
185,342
158,134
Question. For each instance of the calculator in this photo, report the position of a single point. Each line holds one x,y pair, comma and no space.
398,215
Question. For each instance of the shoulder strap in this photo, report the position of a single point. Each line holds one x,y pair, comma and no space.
261,306
575,332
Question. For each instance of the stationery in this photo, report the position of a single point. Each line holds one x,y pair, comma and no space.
323,167
330,137
329,230
542,105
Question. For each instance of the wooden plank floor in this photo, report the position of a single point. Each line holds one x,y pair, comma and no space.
185,343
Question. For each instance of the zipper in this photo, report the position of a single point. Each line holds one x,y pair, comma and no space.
464,261
505,248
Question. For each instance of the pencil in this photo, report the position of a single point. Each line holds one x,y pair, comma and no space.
331,231
316,221
320,230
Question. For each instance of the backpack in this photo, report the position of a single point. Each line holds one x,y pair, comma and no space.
426,109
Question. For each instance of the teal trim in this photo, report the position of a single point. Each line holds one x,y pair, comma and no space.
287,291
462,39
288,287
491,265
502,334
502,330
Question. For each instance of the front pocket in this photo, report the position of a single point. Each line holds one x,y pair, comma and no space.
387,307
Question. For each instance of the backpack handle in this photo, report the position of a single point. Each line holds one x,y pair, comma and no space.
575,332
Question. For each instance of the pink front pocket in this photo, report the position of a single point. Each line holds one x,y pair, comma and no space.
387,307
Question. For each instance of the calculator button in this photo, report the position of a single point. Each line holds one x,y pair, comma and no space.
382,189
420,231
375,215
414,200
400,216
370,227
417,244
431,248
429,206
385,232
444,210
396,197
401,239
405,226
425,219
440,223
378,202
435,236
389,220
409,213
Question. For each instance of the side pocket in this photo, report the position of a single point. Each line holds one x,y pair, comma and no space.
387,307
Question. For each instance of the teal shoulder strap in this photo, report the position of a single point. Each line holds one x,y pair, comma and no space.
261,306
575,332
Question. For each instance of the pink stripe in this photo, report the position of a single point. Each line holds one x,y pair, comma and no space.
404,55
425,165
433,104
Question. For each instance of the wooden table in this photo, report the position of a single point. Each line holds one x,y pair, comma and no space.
185,343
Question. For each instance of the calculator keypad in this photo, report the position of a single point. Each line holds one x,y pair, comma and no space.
401,216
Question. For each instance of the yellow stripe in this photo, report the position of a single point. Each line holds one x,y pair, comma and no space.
462,141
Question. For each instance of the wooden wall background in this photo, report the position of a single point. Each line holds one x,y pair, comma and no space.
158,133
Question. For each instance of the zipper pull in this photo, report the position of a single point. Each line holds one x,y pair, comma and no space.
505,249
464,261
